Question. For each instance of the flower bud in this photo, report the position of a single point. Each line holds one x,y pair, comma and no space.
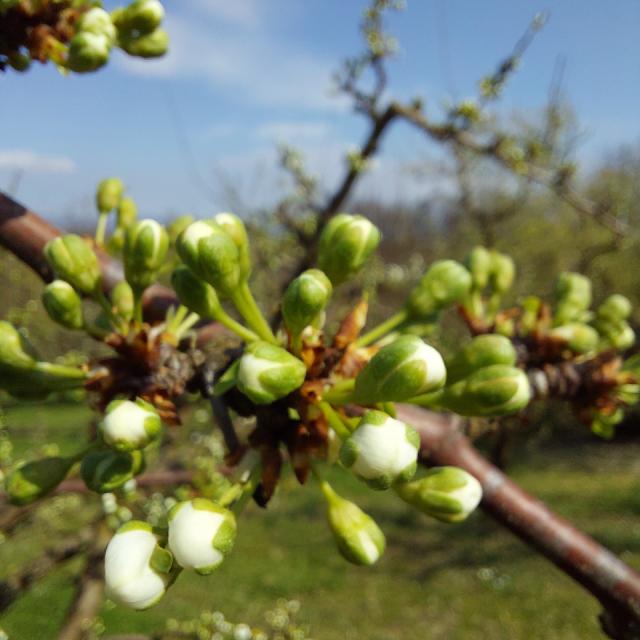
497,390
446,282
233,226
620,336
73,260
345,244
145,250
15,351
63,304
106,470
122,300
18,60
144,15
127,212
479,263
88,52
151,45
503,272
33,480
211,254
201,534
177,226
305,298
481,352
446,493
98,22
401,370
580,338
572,294
267,372
137,570
195,294
604,424
615,308
358,537
381,451
130,425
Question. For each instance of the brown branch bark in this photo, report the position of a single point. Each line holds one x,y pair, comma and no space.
89,590
600,572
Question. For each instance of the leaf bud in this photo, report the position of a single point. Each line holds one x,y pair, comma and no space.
267,372
381,451
201,534
449,494
401,370
32,480
345,244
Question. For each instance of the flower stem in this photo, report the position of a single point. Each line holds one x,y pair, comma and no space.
382,329
101,229
341,392
249,310
335,421
427,399
233,325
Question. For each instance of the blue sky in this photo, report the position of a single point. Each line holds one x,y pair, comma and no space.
243,75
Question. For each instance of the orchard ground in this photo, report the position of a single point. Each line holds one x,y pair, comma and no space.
435,581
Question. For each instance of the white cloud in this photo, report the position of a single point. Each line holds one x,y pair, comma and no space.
244,13
34,162
250,64
291,132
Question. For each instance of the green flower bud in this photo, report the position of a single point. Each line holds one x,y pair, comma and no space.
267,373
201,534
33,480
603,425
580,338
212,255
145,251
481,352
104,471
446,493
137,570
19,61
615,308
358,537
572,295
381,451
479,263
15,351
503,272
122,300
446,282
63,304
127,212
88,52
497,390
530,313
401,370
152,45
235,229
130,425
622,338
144,15
177,226
345,244
73,260
195,294
98,22
305,298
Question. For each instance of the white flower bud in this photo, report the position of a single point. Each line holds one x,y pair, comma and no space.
130,425
381,450
201,533
137,570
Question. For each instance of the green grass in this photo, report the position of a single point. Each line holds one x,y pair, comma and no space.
468,581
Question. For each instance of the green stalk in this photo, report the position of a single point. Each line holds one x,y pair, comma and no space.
341,392
101,228
249,310
116,322
247,490
382,329
427,399
233,325
137,306
296,343
335,421
60,371
186,324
